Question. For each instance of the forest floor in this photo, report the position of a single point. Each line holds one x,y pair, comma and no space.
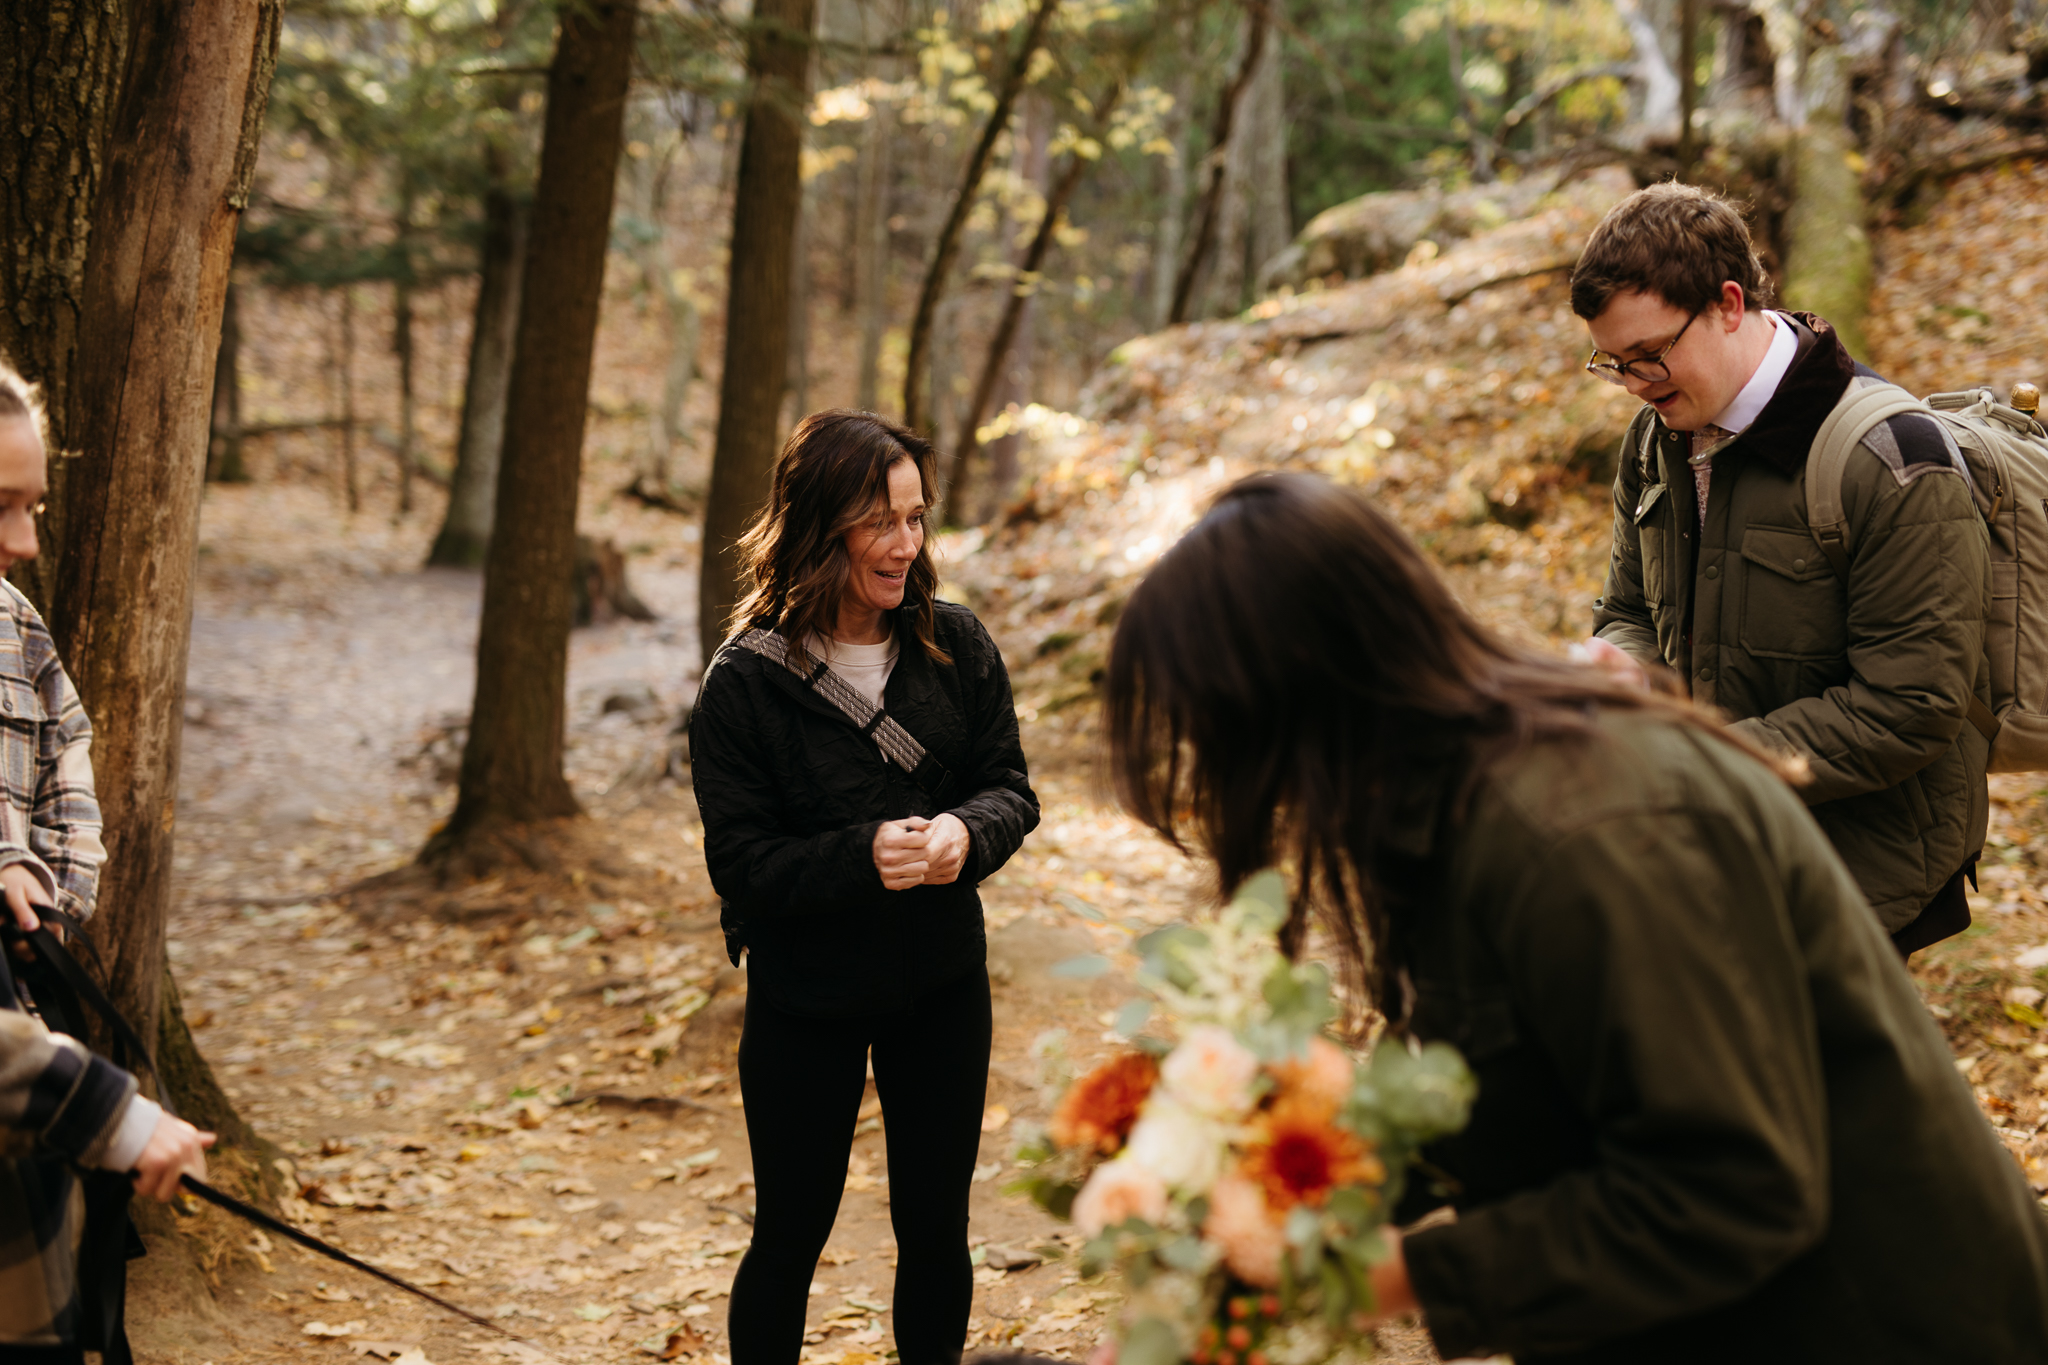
521,1092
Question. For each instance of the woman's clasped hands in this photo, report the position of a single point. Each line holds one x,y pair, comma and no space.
917,852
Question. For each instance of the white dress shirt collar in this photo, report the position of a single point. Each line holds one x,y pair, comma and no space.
1770,372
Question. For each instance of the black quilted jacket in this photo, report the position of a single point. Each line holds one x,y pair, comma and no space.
792,793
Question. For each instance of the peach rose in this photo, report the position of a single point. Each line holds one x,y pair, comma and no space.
1322,1079
1244,1229
1118,1190
1211,1072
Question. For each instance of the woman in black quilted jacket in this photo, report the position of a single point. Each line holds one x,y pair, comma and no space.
858,768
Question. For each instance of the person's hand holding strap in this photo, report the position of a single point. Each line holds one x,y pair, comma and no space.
175,1148
901,855
24,892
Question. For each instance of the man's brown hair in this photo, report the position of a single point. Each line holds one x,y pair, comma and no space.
1675,241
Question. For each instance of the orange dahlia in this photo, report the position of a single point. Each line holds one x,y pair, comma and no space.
1099,1109
1300,1156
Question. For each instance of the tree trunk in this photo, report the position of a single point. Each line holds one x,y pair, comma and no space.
512,764
1269,225
766,202
647,180
1056,199
473,488
131,399
871,255
1828,268
1219,150
60,74
797,377
1166,240
947,246
224,451
1014,390
349,483
402,347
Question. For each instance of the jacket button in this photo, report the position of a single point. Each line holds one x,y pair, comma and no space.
1711,571
1797,565
1707,674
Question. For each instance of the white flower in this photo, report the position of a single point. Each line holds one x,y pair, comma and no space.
1118,1190
1211,1073
1176,1144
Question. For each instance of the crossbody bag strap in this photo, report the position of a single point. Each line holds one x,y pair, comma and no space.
897,744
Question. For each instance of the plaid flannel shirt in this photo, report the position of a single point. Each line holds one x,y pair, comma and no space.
49,817
59,1105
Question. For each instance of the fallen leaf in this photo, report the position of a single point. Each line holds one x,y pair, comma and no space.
383,1350
680,1341
994,1117
321,1329
594,1312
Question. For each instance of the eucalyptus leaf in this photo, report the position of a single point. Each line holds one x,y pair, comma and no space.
1082,968
1151,1341
1132,1016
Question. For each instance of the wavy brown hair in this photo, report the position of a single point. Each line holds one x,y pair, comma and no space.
1294,670
832,476
19,398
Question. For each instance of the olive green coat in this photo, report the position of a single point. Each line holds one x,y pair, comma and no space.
1869,680
1715,1121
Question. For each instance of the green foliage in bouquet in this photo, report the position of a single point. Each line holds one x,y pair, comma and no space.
1238,1176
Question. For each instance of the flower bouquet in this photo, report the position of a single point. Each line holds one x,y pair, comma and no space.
1238,1175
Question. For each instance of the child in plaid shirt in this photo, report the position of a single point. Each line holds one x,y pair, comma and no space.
60,1106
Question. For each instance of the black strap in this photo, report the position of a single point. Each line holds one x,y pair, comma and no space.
62,989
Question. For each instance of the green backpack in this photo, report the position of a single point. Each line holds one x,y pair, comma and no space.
2006,451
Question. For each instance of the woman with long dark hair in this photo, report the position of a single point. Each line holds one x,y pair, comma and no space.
1714,1120
858,769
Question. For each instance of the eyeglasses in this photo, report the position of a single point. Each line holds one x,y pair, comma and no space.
1650,370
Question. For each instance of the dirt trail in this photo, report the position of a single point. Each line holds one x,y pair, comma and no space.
423,1060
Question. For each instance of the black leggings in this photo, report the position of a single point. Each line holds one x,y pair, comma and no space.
802,1079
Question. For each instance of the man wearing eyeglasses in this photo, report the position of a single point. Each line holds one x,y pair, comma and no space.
1869,676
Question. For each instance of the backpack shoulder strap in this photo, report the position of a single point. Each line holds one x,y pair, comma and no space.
1641,443
1860,409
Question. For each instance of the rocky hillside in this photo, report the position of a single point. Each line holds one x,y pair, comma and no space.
1449,388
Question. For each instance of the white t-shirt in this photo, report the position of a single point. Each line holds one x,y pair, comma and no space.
867,667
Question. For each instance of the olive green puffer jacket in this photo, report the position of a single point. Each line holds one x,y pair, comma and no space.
1869,680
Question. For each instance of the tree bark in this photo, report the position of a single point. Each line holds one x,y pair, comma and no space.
132,400
512,764
224,462
347,367
946,248
402,348
766,202
473,488
1219,151
1269,227
60,75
